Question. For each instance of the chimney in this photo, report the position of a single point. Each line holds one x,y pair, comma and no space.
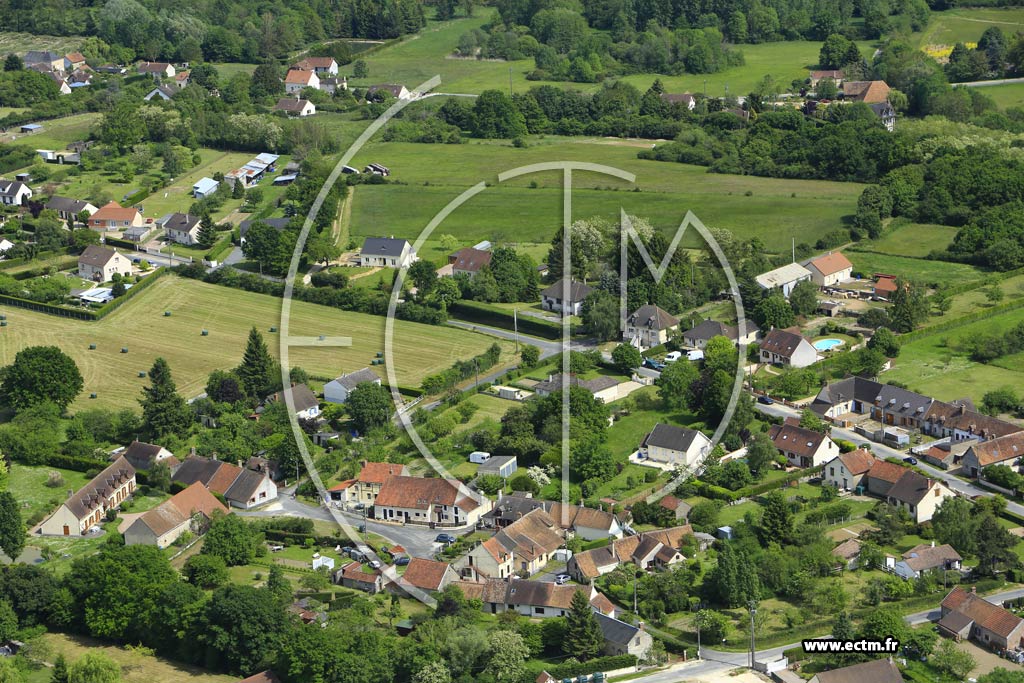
640,625
974,589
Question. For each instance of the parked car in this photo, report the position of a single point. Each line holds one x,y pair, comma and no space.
360,506
672,356
445,538
765,400
357,555
401,561
375,564
910,460
654,364
561,579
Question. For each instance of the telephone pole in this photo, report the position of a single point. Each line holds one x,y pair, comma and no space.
752,606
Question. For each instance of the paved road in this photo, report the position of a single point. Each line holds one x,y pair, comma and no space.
982,84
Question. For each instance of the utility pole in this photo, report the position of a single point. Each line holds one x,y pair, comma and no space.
752,606
697,621
515,324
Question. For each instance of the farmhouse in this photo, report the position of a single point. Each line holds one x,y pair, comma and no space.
68,209
469,260
830,269
146,456
100,263
957,422
415,500
787,347
297,79
846,471
784,278
181,79
649,326
918,495
204,187
698,336
365,487
968,615
803,447
51,60
399,92
923,558
183,228
875,671
1005,450
386,252
869,92
241,488
305,402
113,216
188,510
835,74
525,547
14,193
885,286
294,106
339,389
157,69
673,445
89,506
74,60
621,638
332,84
886,113
680,509
428,575
323,66
556,298
649,550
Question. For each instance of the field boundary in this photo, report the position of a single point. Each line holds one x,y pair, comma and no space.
83,314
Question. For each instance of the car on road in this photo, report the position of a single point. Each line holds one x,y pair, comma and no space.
672,356
910,460
561,579
654,364
401,561
445,538
765,400
375,564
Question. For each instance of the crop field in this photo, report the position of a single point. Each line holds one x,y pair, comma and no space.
965,25
24,42
914,239
227,314
516,211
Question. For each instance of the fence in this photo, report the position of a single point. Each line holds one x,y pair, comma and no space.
170,256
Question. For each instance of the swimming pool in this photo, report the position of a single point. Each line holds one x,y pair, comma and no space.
828,344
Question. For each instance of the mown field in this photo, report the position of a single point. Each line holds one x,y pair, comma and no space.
914,239
227,314
21,43
56,134
529,209
918,269
1006,95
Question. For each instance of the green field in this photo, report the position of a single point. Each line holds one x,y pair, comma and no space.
29,485
965,25
1006,95
24,42
433,175
919,269
56,134
227,314
914,239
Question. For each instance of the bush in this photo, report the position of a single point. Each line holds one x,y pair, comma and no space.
573,669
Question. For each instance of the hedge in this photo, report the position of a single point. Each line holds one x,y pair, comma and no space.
40,307
218,249
765,486
108,308
961,321
74,463
124,244
63,264
611,663
477,312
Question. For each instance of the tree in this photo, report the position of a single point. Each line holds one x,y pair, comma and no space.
8,621
675,382
207,234
206,571
714,626
370,406
164,411
13,63
777,520
954,524
265,81
243,626
583,638
834,52
804,298
360,70
760,453
495,116
948,657
508,653
826,89
627,358
998,401
774,311
601,317
60,672
41,374
909,306
529,355
277,584
323,249
94,667
122,126
994,545
994,294
423,276
255,371
1001,675
435,672
12,528
232,539
885,341
882,623
9,672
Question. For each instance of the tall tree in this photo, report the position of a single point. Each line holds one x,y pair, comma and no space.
804,298
601,316
59,673
508,653
207,233
164,411
954,524
583,638
674,384
370,406
777,520
995,545
257,366
627,358
94,667
40,374
232,539
909,306
12,527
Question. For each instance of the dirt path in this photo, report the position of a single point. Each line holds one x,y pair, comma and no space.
341,227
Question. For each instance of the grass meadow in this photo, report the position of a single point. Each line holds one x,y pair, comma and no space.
24,42
965,25
227,314
914,239
1006,95
918,269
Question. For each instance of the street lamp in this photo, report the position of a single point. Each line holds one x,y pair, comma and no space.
697,621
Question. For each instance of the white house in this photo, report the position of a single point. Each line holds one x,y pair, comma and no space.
416,500
157,69
306,404
555,298
787,347
162,92
68,209
183,228
699,335
784,278
846,471
323,66
294,106
830,269
803,447
297,79
673,445
89,505
100,263
338,389
188,510
923,558
14,193
204,187
399,92
648,326
918,495
386,252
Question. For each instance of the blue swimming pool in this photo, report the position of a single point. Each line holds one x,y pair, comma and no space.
827,344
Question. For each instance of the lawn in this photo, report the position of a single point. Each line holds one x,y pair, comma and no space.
228,314
1006,95
433,175
922,270
28,484
178,195
913,239
965,25
625,435
56,134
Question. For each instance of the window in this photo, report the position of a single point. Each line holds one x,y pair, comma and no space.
540,610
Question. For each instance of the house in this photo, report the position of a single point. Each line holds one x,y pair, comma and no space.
830,269
875,671
204,187
157,69
188,510
848,552
88,507
386,252
323,66
275,223
354,575
427,575
183,228
80,79
399,92
68,209
886,114
650,550
182,79
885,287
332,84
958,422
685,100
62,85
339,388
469,260
649,326
50,60
59,157
697,337
588,523
367,485
673,445
869,92
563,300
803,447
145,456
241,487
918,495
1006,450
923,558
501,465
5,246
113,216
680,509
603,387
305,402
882,477
537,599
967,614
885,403
100,263
846,471
621,638
416,500
787,347
294,106
297,79
784,278
14,193
835,74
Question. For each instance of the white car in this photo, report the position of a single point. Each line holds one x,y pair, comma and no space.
696,354
561,579
673,356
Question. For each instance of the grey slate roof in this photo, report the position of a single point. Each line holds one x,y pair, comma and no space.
36,56
302,395
87,498
276,223
495,463
196,469
181,222
856,388
578,291
383,246
911,488
653,317
615,631
244,486
141,455
670,437
353,379
66,204
96,256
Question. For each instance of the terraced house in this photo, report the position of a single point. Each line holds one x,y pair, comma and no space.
89,505
523,547
415,500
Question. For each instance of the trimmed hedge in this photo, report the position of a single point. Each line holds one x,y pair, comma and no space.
40,307
223,245
477,312
593,666
108,308
76,464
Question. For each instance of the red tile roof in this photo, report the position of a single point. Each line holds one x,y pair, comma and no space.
113,211
377,472
830,264
858,461
887,471
983,612
425,574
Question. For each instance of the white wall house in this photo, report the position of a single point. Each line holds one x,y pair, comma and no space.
673,445
339,389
